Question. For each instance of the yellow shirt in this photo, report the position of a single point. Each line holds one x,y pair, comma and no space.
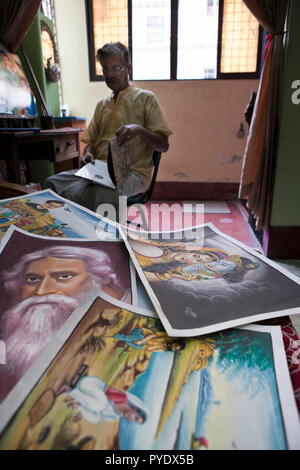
132,106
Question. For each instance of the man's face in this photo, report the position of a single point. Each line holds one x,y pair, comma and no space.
116,80
51,205
55,276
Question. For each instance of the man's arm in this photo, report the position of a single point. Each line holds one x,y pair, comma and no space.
155,140
88,155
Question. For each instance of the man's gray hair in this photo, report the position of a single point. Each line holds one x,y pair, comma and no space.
114,48
98,264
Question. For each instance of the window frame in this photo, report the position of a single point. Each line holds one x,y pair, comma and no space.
237,75
173,46
91,42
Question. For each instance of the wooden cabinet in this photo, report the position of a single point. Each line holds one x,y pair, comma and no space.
60,146
74,122
66,147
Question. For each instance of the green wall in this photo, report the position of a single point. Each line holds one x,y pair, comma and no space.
33,46
52,94
286,199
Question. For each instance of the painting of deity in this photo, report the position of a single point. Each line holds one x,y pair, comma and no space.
201,281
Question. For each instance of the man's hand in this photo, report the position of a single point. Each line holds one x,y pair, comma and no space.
87,157
155,140
127,132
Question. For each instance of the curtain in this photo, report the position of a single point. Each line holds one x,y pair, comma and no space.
16,17
259,160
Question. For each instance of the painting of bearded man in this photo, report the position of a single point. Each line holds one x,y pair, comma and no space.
45,286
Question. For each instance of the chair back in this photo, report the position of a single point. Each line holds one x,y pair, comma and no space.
140,198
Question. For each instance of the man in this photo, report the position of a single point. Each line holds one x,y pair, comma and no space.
132,115
47,286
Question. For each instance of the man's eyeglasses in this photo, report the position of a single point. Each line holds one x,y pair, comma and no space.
116,69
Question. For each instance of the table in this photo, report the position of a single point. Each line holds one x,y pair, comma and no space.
54,145
72,121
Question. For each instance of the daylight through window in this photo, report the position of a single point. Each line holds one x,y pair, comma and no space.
178,39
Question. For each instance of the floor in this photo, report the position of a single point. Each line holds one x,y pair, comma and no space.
168,215
164,215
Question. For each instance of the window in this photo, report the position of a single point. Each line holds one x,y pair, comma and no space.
155,29
151,31
109,23
240,39
178,39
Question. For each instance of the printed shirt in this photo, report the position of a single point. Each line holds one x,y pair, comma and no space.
132,106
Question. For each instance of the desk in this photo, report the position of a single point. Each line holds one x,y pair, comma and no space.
72,121
55,145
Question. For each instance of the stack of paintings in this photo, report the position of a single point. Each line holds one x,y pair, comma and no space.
85,367
113,379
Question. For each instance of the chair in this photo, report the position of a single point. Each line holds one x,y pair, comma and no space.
140,198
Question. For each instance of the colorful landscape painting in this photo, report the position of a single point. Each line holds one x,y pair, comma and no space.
45,213
120,382
15,93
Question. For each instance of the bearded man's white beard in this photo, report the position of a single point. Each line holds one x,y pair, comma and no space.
30,325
